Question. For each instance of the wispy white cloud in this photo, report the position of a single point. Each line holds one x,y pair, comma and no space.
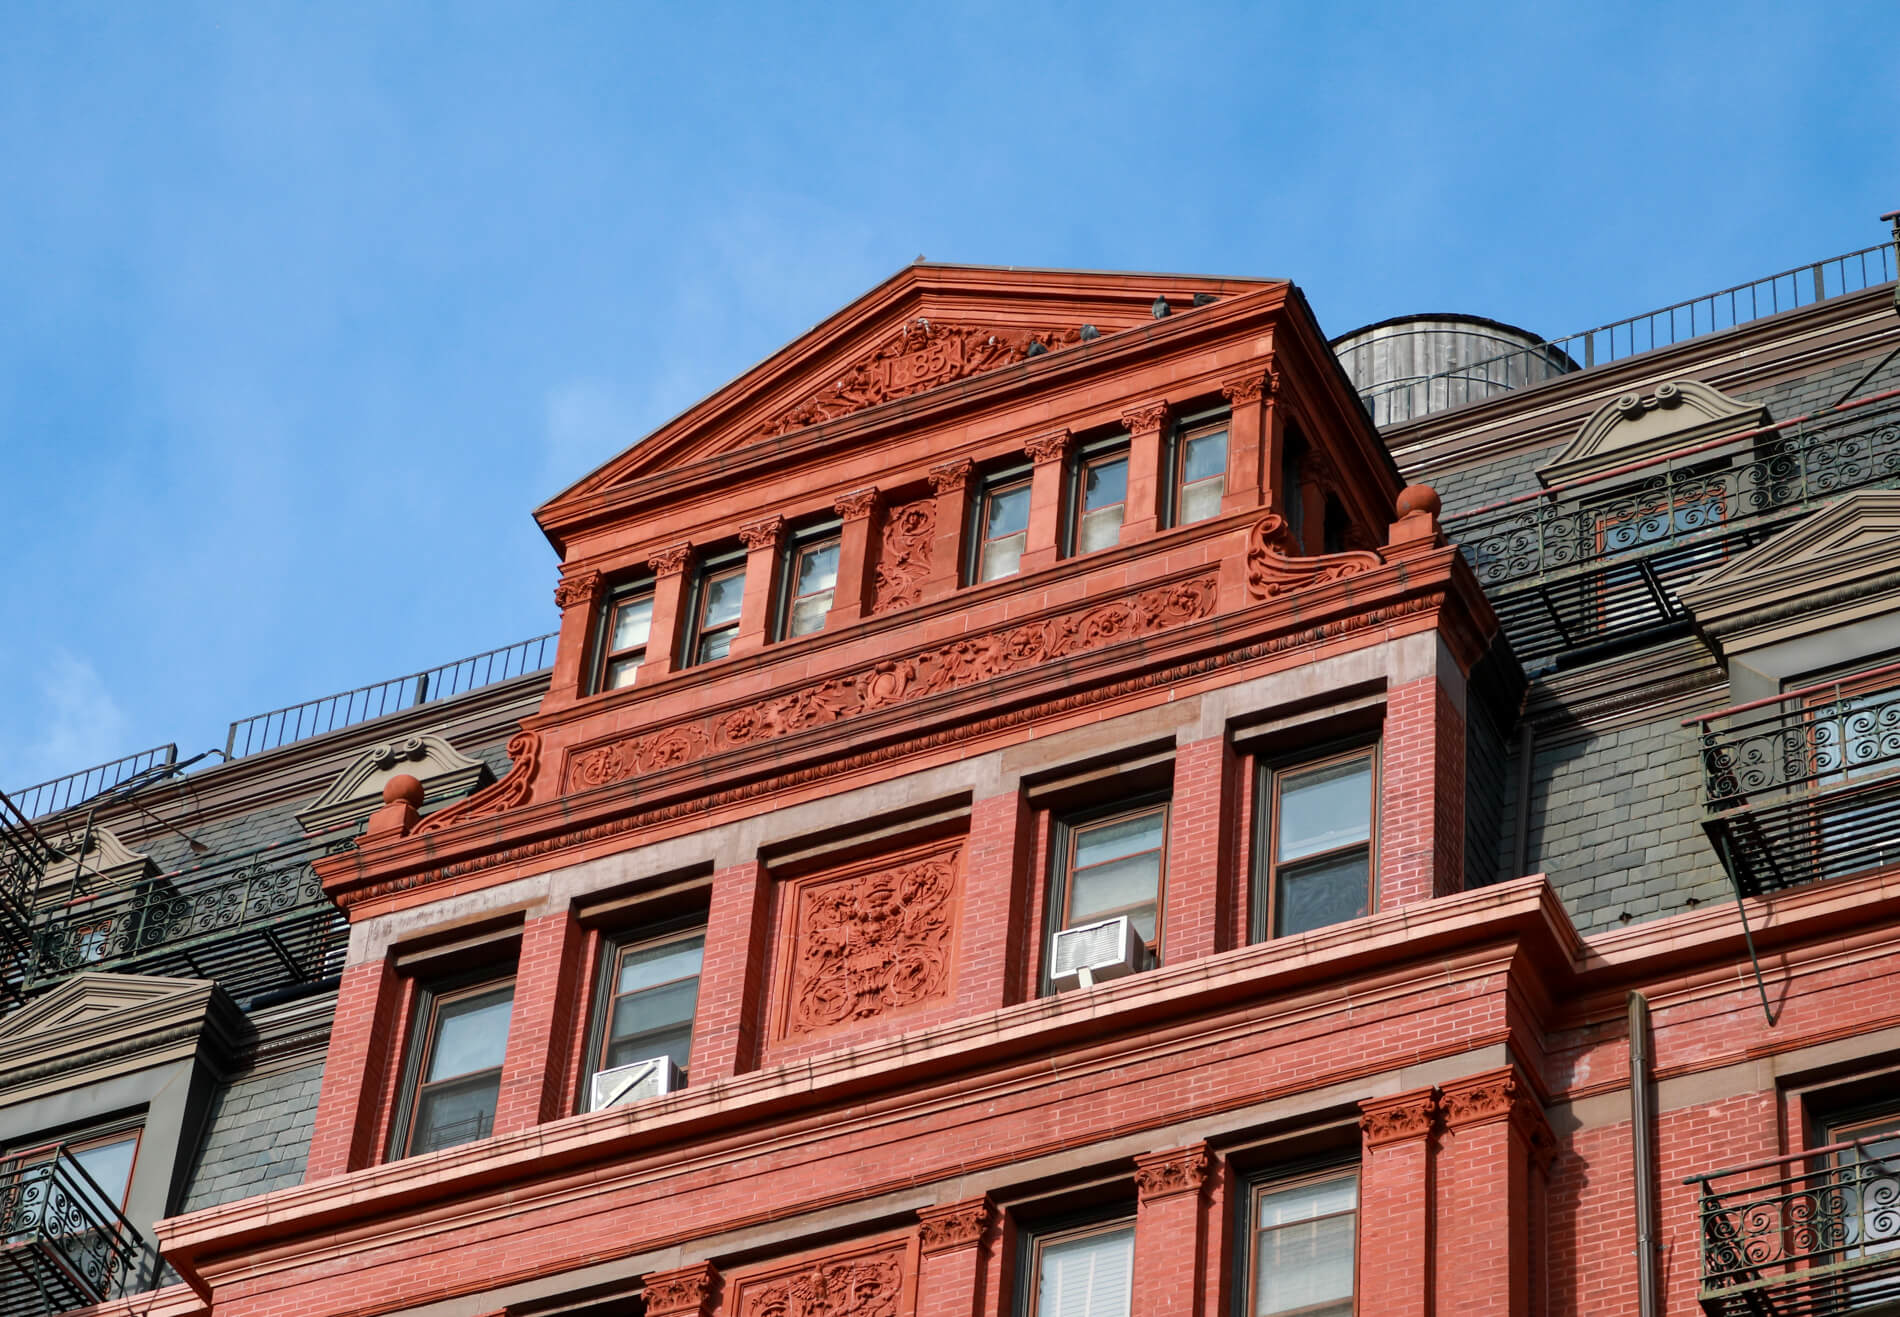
80,724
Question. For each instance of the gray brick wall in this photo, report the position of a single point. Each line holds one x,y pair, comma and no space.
1616,824
258,1137
1484,796
1476,486
1812,393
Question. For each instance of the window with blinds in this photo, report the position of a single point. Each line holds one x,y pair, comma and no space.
1303,1238
1086,1272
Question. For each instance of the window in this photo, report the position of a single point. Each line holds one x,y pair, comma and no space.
1333,531
650,991
1867,1185
718,590
1098,497
455,1080
1200,469
810,579
1301,1260
1002,525
1088,1272
624,628
1116,865
1293,485
104,1160
1316,848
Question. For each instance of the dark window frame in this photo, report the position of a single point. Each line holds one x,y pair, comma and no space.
1074,486
1184,429
40,1148
714,566
1257,1185
620,593
1264,869
613,946
988,485
1035,1240
1292,481
1062,836
799,542
425,1011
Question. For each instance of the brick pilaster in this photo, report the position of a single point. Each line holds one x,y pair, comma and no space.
1050,453
1199,860
1246,441
952,483
1147,425
851,599
953,1251
732,977
577,596
1488,1195
1422,792
992,947
548,998
1170,1231
1396,1171
669,590
364,1038
763,540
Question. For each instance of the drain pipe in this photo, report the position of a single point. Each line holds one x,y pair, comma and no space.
1643,1157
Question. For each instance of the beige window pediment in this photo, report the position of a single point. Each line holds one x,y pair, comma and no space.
1675,416
445,773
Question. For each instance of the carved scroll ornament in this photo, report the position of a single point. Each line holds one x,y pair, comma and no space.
1051,447
871,944
903,558
580,588
683,1291
1273,567
512,792
1145,419
1162,1174
921,355
857,1287
763,534
898,681
1394,1120
949,476
952,1225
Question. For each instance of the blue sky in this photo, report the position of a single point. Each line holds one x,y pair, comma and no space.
305,307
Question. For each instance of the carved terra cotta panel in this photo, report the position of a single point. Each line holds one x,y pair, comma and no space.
903,554
867,1283
875,939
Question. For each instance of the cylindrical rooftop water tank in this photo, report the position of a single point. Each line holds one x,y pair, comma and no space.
1410,366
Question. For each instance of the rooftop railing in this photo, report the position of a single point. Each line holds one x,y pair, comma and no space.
1805,786
1598,560
255,921
76,788
1400,401
297,722
63,1240
1812,1234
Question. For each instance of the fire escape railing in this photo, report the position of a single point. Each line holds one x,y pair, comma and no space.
1596,561
1805,786
255,921
24,857
43,798
1812,1234
64,1241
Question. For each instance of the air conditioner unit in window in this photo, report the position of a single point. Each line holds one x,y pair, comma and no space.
632,1083
1088,954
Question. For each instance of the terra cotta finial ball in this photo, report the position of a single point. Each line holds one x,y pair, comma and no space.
1418,498
403,788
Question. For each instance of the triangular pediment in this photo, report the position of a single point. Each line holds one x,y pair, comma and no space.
88,1000
110,1022
926,327
1847,551
1676,415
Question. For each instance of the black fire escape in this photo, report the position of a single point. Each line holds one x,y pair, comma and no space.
64,1242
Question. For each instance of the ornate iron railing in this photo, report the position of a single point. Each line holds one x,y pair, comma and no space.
1808,1235
1597,560
1852,272
1805,786
24,857
296,722
64,1241
76,788
254,922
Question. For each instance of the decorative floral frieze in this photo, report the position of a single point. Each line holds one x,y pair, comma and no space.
828,769
1396,1119
870,943
1179,1171
683,1292
512,792
865,1286
1274,567
903,557
580,588
922,355
953,1225
898,681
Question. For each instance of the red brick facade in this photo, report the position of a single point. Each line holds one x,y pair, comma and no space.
886,1106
